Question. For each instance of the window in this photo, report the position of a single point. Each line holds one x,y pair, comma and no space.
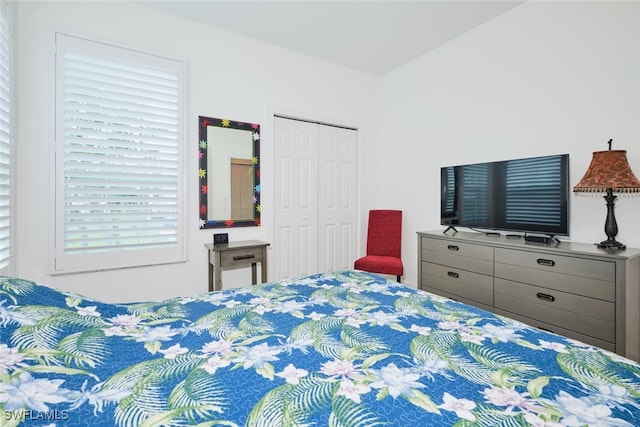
119,157
6,137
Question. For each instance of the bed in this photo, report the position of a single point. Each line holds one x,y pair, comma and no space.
346,348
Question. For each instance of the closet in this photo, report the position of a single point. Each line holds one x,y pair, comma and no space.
315,202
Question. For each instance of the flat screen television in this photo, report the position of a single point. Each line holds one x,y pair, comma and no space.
529,195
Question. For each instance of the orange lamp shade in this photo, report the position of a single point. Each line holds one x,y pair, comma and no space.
608,170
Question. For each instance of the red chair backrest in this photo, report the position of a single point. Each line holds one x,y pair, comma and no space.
384,233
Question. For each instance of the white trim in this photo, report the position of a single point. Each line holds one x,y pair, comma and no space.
7,9
59,261
268,162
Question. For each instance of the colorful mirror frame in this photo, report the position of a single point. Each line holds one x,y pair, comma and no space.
203,172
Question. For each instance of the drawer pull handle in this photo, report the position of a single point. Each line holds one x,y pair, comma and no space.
239,257
545,297
453,274
546,262
453,248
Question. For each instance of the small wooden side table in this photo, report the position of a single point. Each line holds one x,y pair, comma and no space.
235,254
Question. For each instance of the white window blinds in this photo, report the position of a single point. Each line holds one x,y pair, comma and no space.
6,137
119,165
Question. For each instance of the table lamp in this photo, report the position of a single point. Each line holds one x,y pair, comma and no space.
609,172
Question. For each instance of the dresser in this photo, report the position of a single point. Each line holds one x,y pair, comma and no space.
572,289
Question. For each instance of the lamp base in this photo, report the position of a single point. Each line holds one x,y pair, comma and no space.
610,225
611,244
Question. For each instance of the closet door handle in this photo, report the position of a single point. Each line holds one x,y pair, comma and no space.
546,262
453,248
545,297
453,274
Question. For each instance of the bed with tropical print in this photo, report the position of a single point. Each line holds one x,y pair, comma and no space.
338,349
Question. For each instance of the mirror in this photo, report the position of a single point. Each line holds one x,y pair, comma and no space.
229,173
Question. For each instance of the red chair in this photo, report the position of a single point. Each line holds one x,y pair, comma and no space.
384,244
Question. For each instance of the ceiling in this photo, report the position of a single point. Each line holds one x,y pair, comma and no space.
373,37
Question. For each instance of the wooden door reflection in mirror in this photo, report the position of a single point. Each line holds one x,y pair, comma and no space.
229,173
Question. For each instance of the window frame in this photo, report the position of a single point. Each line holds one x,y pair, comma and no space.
65,263
8,11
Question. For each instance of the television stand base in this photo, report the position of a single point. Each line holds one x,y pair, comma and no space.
451,227
547,240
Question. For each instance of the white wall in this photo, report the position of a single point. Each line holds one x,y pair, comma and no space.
543,78
228,76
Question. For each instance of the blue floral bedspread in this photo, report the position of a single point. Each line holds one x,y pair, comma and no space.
339,349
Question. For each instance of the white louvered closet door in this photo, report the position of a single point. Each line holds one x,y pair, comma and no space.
315,198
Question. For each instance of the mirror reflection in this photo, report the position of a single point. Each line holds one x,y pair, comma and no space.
229,173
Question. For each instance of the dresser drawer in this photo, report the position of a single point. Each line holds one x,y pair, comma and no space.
578,285
582,267
235,257
458,248
477,265
456,298
466,284
560,331
587,316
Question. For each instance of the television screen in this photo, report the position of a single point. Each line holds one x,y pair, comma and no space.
523,195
